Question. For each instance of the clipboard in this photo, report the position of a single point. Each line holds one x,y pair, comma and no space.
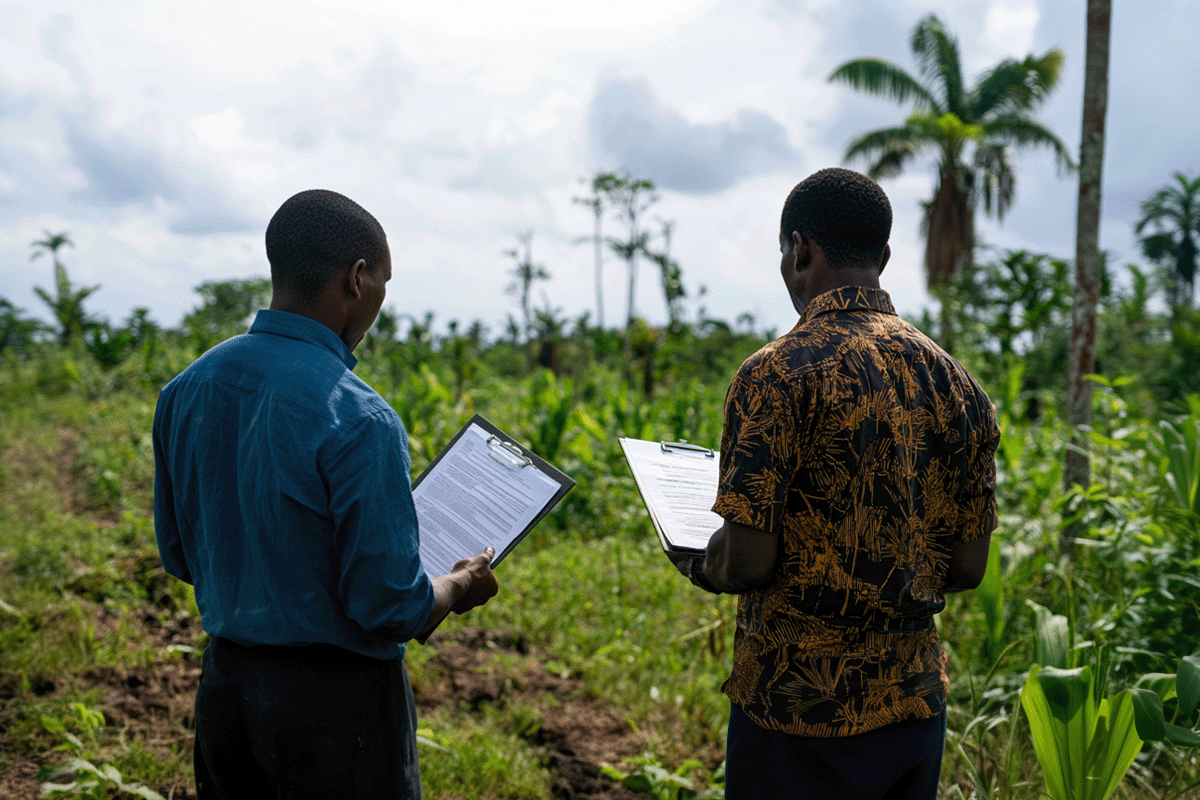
478,468
678,485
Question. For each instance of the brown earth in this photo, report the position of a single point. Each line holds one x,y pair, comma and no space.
467,668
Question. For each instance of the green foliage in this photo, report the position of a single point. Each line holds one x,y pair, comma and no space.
971,130
465,757
88,780
81,587
1155,690
1168,231
648,776
1085,743
225,309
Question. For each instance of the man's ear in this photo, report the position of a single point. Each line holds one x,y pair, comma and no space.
801,251
354,278
887,253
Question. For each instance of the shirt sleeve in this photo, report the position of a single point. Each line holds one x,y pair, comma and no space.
978,501
758,446
382,584
166,526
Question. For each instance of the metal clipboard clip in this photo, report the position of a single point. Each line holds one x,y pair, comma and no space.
507,453
685,447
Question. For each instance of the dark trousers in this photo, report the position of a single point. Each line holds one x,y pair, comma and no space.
303,722
896,762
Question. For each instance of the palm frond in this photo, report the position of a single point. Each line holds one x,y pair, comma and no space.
874,76
938,60
995,179
874,142
892,160
1014,85
1159,247
1019,130
1170,205
1189,189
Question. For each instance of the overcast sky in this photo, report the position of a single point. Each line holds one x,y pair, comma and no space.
162,136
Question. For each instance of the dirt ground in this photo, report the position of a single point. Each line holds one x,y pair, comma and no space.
578,733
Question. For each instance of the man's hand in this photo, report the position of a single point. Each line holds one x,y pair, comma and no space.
680,560
469,584
477,580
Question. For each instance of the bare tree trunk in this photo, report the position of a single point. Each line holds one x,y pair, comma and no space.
1082,361
598,240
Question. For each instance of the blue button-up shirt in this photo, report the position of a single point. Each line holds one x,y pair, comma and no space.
282,493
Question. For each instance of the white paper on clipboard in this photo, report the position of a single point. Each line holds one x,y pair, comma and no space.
482,490
678,483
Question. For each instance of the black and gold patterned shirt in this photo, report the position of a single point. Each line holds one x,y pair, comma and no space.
871,452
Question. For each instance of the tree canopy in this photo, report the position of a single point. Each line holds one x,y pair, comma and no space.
972,131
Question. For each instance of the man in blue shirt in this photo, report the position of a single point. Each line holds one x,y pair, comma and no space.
282,494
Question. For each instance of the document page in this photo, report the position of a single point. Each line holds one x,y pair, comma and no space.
679,488
477,494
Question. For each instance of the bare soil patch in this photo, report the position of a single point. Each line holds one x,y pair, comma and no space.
578,733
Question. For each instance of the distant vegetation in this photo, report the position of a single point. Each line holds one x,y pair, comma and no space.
88,620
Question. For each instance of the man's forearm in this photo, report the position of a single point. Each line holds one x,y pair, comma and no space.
447,591
739,558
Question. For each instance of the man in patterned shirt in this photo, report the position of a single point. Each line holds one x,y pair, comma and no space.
857,487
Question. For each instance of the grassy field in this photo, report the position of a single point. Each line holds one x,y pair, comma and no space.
597,659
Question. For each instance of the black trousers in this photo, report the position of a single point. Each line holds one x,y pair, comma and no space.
896,762
295,723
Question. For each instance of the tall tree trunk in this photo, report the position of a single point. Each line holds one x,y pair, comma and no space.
631,266
598,240
949,244
1082,360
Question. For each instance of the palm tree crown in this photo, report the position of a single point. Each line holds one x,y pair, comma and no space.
1173,213
67,301
972,131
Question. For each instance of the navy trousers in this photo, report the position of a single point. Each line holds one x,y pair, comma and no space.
896,762
295,723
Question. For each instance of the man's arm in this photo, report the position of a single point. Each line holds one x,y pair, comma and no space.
738,558
166,527
968,562
469,584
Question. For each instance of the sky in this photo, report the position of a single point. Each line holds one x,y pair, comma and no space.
162,136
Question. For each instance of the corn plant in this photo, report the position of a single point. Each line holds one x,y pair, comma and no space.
1084,743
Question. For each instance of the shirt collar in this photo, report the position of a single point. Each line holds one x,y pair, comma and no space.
295,326
848,298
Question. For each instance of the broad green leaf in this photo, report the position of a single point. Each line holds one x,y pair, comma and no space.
1161,683
990,594
1117,746
53,724
1182,736
1069,692
1048,736
1148,715
638,783
1053,642
1187,684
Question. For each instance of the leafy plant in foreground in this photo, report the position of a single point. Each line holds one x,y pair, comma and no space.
652,778
1084,743
88,780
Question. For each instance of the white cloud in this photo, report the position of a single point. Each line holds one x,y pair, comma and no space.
163,135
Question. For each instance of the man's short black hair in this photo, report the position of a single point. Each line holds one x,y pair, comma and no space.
846,213
314,234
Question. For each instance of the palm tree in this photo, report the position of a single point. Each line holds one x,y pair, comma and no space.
525,273
973,133
67,303
1173,214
